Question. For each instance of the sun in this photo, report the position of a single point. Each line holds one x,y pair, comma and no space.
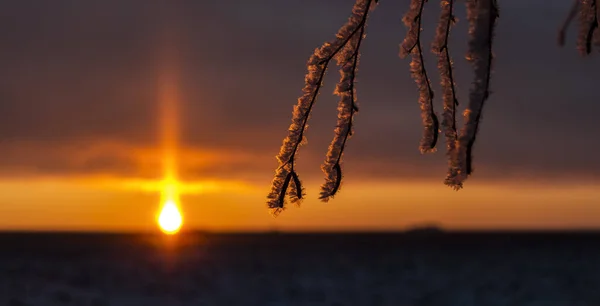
170,219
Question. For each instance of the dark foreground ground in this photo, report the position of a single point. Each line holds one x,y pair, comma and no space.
480,269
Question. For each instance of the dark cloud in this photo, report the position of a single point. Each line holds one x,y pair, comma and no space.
79,72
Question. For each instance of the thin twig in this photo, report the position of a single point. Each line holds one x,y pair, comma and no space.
324,63
440,47
588,18
317,67
563,29
345,125
480,53
412,45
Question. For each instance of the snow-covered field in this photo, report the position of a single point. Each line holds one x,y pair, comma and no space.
451,269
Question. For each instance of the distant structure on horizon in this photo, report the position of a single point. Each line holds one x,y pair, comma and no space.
425,230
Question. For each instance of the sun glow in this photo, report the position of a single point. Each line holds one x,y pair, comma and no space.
170,218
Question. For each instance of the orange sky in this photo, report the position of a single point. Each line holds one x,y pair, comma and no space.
114,203
94,139
56,204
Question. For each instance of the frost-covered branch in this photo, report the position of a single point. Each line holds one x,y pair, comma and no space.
412,45
347,108
345,49
588,19
597,30
482,16
285,175
440,47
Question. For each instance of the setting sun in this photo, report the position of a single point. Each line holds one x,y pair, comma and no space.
170,219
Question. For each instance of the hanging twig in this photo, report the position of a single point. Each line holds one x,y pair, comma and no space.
597,31
317,66
412,45
440,47
563,29
482,15
588,23
348,60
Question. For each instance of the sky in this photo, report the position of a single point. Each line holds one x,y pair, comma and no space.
102,102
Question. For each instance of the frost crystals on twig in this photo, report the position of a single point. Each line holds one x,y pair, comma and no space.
348,60
440,47
317,66
597,30
482,16
412,45
588,24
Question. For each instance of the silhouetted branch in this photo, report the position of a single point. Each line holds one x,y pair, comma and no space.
412,45
597,18
440,47
317,66
482,14
588,18
348,60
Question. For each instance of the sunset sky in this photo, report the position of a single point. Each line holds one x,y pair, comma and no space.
102,101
